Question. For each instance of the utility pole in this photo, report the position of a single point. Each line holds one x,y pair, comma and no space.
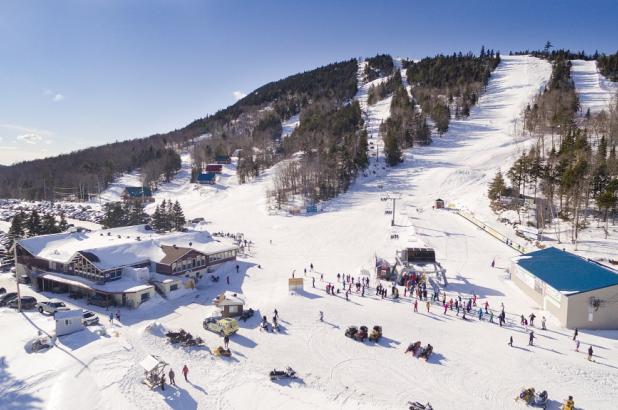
16,275
393,219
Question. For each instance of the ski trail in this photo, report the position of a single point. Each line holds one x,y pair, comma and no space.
595,92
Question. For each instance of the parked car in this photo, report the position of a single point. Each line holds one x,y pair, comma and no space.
51,306
27,302
90,318
99,300
7,297
224,327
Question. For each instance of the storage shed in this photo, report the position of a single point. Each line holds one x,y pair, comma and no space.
207,178
216,168
439,203
579,292
231,304
69,321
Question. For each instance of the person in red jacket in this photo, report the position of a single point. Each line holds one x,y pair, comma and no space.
185,372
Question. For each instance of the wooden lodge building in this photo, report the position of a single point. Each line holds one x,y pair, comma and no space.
123,265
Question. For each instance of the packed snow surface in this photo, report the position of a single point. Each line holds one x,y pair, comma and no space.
595,92
471,368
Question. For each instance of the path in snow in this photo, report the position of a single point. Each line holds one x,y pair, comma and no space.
595,92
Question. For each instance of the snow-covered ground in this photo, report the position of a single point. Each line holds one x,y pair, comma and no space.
114,191
288,126
594,90
472,366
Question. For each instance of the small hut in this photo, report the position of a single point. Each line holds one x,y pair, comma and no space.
69,321
439,203
231,304
154,370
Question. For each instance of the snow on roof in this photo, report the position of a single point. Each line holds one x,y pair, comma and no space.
229,298
566,272
151,362
117,247
124,284
68,314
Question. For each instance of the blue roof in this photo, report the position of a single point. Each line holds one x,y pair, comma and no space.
137,191
567,272
209,176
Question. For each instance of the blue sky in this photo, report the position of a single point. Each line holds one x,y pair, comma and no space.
80,73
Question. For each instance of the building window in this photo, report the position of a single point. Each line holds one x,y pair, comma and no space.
174,287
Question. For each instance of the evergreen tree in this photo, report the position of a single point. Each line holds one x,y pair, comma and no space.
48,224
362,160
178,217
157,219
441,116
16,231
33,224
63,225
497,187
114,215
392,152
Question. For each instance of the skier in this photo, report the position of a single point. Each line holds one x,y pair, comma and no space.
237,268
313,282
321,277
162,382
172,376
493,263
428,305
480,314
311,266
275,323
491,317
511,341
321,316
226,341
590,351
445,308
522,320
416,305
575,334
185,372
486,306
276,314
532,317
543,323
118,315
111,318
531,338
577,346
227,279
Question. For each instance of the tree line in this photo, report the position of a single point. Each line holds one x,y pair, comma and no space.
168,215
324,154
24,225
379,66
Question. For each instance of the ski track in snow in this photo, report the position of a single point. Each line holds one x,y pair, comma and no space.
471,366
595,92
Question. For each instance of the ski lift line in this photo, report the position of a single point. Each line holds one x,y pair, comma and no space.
502,238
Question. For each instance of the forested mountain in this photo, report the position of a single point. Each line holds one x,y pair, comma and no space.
379,66
88,171
608,65
574,165
450,84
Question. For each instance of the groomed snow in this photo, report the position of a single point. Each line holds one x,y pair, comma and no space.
595,92
472,366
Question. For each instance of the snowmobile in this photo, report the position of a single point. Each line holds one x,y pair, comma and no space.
221,351
288,373
351,331
361,335
426,352
376,333
214,278
418,406
413,347
246,314
534,399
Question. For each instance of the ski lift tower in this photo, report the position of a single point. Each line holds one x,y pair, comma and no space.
393,197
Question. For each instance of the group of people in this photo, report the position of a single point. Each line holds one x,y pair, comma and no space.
172,376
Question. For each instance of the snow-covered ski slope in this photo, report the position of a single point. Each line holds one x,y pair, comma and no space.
472,366
595,92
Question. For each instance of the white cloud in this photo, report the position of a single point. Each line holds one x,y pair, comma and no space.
55,97
30,138
238,94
